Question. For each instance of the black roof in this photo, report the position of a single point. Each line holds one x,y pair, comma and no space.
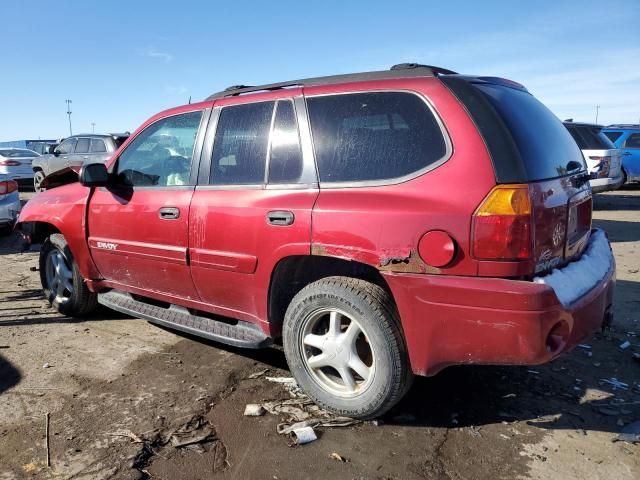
402,70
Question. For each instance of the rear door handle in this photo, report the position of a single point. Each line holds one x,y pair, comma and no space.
169,213
280,217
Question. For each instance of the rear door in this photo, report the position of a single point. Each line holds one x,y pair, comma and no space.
138,227
253,204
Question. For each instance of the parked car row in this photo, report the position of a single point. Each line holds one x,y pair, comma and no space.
382,224
627,138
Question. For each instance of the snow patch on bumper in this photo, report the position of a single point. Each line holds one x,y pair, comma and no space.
577,278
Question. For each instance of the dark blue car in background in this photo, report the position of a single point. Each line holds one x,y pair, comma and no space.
627,138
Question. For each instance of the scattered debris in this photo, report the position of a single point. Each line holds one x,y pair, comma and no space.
304,435
624,345
615,383
338,457
194,431
534,372
46,365
4,346
585,346
46,438
134,438
258,374
254,410
630,433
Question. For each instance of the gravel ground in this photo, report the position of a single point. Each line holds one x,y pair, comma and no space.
119,392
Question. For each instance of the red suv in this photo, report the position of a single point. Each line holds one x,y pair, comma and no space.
384,224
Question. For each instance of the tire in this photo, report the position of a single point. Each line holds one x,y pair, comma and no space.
38,177
624,178
331,322
63,286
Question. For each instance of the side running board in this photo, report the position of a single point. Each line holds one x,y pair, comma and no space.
242,334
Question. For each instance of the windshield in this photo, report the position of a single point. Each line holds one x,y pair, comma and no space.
18,153
544,144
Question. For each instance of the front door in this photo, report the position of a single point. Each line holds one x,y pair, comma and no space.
138,226
254,208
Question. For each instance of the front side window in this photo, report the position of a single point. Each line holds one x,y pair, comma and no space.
98,146
161,155
82,146
633,141
66,146
285,160
240,146
373,136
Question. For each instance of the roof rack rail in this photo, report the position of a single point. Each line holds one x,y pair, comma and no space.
401,70
624,125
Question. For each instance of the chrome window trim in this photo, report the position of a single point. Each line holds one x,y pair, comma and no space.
395,180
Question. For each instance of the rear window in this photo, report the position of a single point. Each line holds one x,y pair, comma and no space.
374,136
544,144
589,138
613,136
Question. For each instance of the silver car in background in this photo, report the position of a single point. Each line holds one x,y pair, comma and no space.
15,163
9,203
73,152
603,159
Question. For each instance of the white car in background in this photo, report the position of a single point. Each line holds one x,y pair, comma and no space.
603,159
9,204
15,163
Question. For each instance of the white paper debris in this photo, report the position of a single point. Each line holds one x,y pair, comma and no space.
304,435
625,344
254,410
577,278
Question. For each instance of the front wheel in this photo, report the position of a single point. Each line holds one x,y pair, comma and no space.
344,346
62,283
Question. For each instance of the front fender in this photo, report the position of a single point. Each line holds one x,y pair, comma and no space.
60,210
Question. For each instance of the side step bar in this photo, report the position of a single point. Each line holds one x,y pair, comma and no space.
242,334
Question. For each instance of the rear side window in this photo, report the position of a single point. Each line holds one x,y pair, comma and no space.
98,146
373,136
543,143
82,146
613,136
240,146
285,161
633,141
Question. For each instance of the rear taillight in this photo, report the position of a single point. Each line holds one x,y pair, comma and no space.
9,163
502,224
603,167
8,187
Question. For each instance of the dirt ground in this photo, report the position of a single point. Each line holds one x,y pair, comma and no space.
116,388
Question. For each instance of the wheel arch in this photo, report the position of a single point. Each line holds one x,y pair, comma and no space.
291,274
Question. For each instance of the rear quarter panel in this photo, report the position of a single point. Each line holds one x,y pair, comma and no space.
382,225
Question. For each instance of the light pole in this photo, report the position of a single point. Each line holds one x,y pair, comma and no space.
93,127
69,113
597,110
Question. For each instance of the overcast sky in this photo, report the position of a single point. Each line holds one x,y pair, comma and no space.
121,62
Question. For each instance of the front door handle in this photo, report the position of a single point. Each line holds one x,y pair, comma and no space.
280,217
169,213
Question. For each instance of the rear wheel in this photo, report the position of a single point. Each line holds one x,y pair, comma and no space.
38,177
344,346
61,280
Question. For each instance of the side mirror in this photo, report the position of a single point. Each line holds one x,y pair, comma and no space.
51,149
56,153
94,175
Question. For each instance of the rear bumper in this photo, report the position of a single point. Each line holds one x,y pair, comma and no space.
606,184
472,320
